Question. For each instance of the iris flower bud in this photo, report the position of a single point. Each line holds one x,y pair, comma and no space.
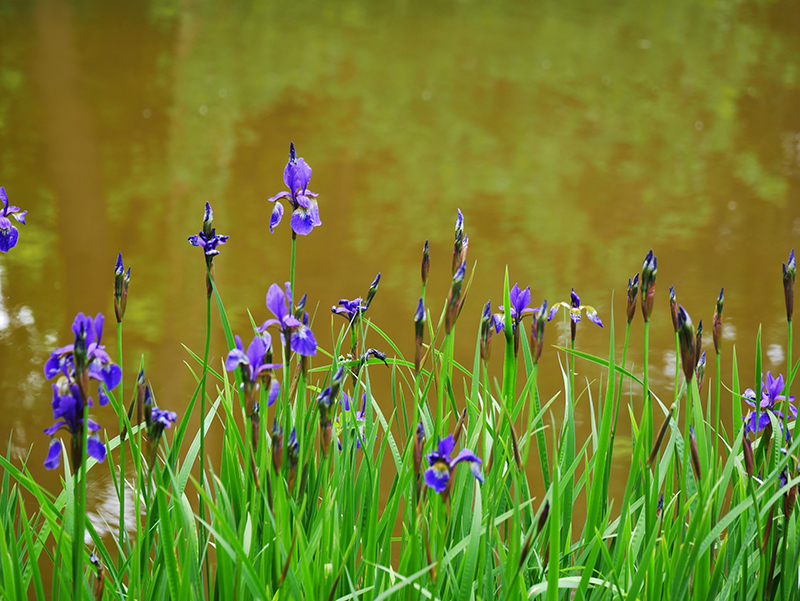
673,308
487,329
718,322
373,289
747,449
121,281
294,457
459,243
789,271
698,342
419,442
686,337
659,438
208,219
426,263
633,289
419,330
695,454
537,331
454,300
649,270
460,426
700,371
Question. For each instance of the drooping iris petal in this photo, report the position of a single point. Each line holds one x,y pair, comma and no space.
465,455
274,391
303,341
53,455
255,353
8,238
96,448
475,468
591,314
437,476
302,221
275,218
54,428
236,356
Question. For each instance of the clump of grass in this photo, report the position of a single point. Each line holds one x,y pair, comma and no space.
328,488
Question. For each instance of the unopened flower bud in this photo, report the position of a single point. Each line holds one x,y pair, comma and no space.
208,219
537,330
673,308
695,454
487,329
686,337
633,289
788,502
373,289
659,438
649,270
419,442
789,271
294,456
700,371
453,302
718,322
747,450
419,330
459,241
459,426
426,263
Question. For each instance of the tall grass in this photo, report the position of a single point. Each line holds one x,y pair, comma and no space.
309,500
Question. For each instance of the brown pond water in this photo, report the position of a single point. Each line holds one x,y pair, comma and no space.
574,136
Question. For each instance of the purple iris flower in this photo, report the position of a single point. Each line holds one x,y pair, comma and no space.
163,417
8,233
88,334
208,238
437,476
520,299
68,413
350,309
575,307
305,212
301,337
254,364
771,394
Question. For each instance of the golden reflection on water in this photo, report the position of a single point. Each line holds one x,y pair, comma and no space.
574,138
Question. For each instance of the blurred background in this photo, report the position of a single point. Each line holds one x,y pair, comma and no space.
573,135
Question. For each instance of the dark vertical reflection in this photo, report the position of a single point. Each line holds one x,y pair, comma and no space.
72,160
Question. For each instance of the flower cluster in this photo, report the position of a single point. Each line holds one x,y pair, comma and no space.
76,364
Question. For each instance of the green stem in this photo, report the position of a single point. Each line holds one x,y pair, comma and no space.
202,512
444,371
292,264
80,512
122,528
716,415
647,412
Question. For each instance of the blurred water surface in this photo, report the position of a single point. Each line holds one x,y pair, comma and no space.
573,135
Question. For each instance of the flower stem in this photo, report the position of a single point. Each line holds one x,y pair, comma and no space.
293,262
122,529
647,412
80,511
202,512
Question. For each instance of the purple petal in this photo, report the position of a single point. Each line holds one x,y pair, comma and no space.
346,401
54,428
8,238
302,221
267,324
20,216
276,301
274,391
3,196
749,397
95,448
98,326
446,445
279,195
303,341
277,215
256,351
53,455
195,241
591,315
465,455
102,397
235,358
109,373
437,476
475,468
763,420
553,311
